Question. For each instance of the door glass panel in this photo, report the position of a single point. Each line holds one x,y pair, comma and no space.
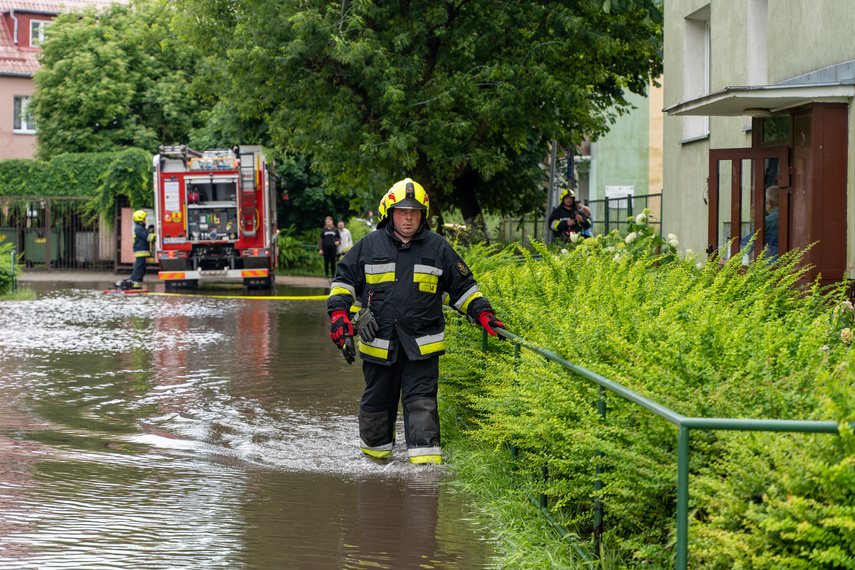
724,194
776,129
747,227
771,202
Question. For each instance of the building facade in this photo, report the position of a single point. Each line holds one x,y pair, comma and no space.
758,129
23,24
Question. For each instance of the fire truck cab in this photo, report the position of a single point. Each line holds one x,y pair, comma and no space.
215,216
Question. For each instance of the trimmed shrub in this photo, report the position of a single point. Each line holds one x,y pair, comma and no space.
704,339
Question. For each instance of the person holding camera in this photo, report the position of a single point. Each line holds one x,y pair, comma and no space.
569,217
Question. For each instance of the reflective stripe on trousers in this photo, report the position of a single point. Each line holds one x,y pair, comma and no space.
415,382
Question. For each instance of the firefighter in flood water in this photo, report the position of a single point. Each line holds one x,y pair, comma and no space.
397,277
142,248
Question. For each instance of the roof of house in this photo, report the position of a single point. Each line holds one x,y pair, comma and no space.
17,61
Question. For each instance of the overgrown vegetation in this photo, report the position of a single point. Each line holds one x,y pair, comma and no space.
6,277
99,175
705,340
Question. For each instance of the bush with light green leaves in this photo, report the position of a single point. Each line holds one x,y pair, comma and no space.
704,339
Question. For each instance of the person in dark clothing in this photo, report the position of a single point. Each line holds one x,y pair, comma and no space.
330,238
142,248
397,277
569,217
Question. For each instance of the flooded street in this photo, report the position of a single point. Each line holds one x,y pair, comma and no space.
149,431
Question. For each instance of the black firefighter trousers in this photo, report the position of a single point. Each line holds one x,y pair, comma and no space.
416,381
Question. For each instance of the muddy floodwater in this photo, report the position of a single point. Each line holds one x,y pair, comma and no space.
151,431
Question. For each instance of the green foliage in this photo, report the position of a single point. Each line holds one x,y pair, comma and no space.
308,201
436,90
6,278
294,253
706,340
114,78
128,174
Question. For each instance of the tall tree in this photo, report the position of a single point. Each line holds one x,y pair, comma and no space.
461,95
115,78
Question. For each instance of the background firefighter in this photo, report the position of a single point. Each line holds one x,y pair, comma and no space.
142,248
397,277
569,217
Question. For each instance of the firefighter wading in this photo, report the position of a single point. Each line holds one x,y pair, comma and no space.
401,275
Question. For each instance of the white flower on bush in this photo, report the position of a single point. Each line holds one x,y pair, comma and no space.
825,347
641,219
610,249
633,236
699,265
846,336
672,241
574,237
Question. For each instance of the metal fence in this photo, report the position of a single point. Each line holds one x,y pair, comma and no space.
607,214
684,424
611,213
57,233
523,229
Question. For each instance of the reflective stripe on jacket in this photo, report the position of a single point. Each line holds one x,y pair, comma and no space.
404,285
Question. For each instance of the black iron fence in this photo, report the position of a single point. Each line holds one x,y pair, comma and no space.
611,213
57,232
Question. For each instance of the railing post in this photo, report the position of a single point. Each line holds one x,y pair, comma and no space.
629,208
683,499
516,367
14,284
598,483
606,214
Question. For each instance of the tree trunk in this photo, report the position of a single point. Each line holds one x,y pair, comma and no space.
470,207
422,175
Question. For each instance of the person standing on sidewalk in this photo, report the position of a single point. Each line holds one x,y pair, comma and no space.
327,245
346,240
398,275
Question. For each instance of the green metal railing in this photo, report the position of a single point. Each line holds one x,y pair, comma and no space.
683,423
610,213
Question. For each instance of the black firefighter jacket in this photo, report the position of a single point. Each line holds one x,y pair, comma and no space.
404,285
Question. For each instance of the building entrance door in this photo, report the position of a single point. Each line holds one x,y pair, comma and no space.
747,198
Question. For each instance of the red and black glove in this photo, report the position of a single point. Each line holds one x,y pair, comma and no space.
490,322
341,333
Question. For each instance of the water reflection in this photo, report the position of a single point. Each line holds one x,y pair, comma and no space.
169,432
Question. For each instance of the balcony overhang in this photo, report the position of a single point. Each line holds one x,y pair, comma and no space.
762,100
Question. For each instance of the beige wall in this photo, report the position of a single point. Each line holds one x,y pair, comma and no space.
12,145
808,35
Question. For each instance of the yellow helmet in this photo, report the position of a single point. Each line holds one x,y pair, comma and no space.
407,195
565,192
139,216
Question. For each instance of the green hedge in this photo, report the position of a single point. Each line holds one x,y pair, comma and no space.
102,175
706,340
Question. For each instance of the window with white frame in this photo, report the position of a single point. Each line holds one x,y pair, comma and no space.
697,48
37,32
23,123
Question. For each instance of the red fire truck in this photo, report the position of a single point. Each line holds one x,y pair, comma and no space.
216,216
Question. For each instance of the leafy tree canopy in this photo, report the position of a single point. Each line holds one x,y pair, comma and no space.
461,95
115,78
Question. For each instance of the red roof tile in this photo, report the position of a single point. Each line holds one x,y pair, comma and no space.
18,61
